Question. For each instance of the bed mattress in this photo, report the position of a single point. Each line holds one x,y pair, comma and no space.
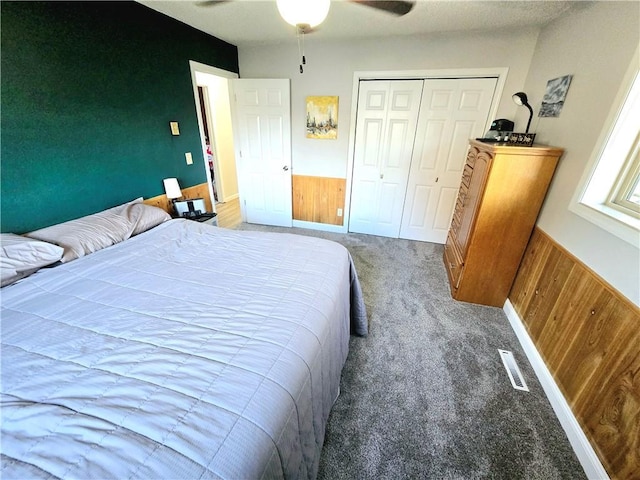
188,351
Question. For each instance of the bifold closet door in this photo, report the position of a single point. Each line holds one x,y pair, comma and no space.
385,131
452,111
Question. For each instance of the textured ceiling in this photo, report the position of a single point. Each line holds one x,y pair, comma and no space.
248,22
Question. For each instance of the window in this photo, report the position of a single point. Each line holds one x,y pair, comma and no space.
625,196
610,195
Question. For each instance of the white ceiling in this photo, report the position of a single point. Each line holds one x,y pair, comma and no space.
250,22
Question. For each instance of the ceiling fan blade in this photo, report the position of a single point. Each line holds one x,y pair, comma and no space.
397,7
210,3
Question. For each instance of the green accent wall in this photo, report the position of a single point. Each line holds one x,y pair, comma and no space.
88,91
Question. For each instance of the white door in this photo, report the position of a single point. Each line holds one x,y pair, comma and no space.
385,130
263,143
451,112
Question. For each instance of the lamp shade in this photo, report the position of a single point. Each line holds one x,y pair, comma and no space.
303,12
520,98
172,188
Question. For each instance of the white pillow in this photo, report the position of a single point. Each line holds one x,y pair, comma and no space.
21,256
143,217
89,234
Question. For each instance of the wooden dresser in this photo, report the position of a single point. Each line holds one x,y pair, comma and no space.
500,195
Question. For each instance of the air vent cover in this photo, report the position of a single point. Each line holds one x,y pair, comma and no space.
513,371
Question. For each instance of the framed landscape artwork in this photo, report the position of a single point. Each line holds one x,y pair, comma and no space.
322,117
553,99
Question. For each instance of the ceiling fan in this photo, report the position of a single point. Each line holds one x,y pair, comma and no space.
395,7
398,7
305,15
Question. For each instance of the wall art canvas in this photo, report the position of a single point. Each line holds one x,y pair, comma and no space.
322,117
553,99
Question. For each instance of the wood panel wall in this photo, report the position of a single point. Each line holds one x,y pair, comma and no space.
589,337
317,199
196,191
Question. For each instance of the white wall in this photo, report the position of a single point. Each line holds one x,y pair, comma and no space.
596,45
331,65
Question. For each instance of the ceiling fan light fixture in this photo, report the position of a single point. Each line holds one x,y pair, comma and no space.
304,13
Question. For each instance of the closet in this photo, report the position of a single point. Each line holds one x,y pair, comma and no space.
410,140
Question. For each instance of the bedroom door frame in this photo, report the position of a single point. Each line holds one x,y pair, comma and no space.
196,67
500,73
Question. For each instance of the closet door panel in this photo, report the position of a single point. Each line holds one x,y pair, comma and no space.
386,122
451,112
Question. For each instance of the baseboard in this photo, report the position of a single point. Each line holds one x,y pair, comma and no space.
319,226
579,441
230,197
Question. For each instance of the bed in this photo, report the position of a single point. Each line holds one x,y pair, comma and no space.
185,351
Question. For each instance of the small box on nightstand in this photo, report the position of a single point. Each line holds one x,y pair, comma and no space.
207,217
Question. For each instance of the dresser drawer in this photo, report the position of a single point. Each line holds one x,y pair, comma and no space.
455,222
466,175
463,193
471,156
453,262
458,208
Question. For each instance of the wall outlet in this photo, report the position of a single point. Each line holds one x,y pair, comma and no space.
339,212
188,158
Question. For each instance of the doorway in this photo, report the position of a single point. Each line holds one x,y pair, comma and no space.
250,143
213,108
207,126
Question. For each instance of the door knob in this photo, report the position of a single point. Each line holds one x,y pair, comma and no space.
285,168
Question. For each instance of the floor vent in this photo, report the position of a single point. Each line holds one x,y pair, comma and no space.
513,371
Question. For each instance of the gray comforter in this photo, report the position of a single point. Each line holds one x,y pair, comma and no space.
188,351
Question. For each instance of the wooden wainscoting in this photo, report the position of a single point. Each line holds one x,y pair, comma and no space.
589,337
317,199
197,191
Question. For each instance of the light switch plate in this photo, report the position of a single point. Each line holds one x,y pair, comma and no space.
189,158
175,129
